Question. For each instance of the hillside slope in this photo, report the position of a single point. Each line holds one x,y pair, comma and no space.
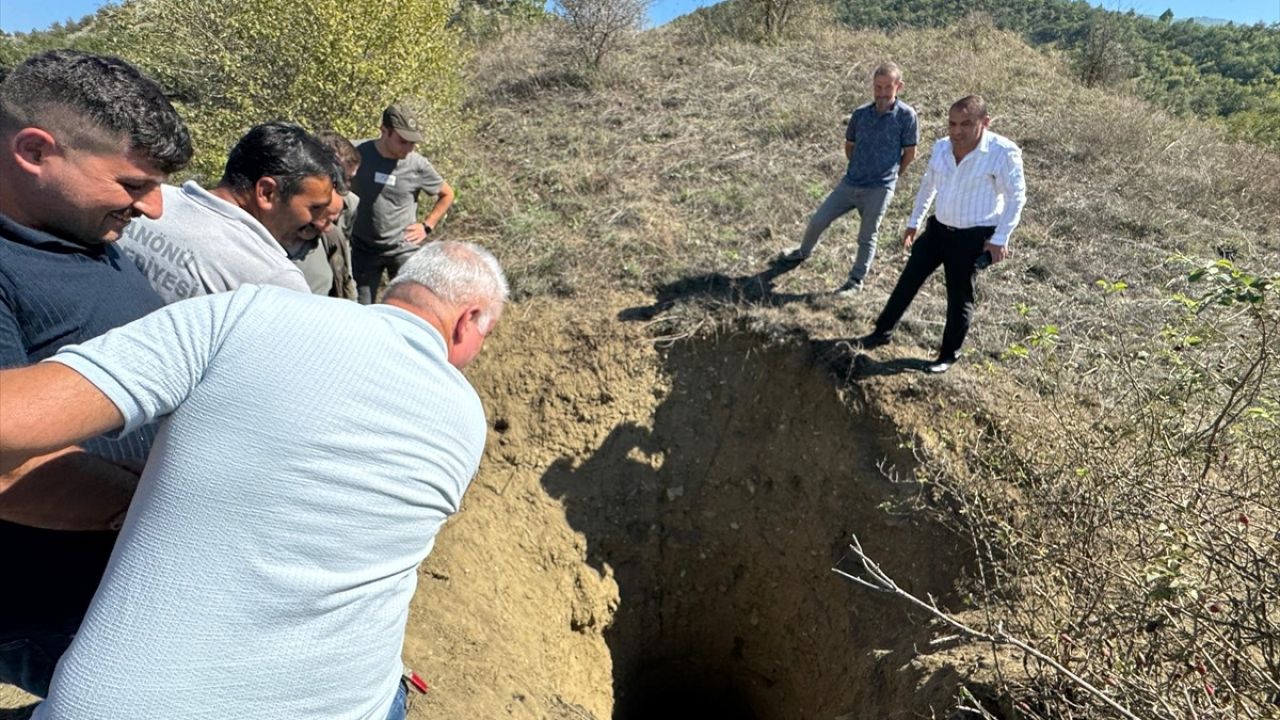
694,158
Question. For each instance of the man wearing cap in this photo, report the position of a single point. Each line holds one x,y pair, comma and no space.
390,179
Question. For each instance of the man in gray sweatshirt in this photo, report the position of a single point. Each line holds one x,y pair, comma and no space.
274,194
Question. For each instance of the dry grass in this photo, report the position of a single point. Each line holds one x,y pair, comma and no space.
684,158
687,164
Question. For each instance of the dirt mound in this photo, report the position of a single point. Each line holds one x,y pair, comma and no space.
652,533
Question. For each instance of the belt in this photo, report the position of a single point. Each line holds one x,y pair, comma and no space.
954,229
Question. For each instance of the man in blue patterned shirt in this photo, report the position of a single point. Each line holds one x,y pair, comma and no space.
880,142
87,140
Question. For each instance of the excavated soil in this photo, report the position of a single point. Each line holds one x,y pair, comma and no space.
652,533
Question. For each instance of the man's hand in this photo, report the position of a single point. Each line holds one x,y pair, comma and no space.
998,252
416,234
908,238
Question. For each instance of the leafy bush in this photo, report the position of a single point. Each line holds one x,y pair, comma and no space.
326,63
484,20
1134,539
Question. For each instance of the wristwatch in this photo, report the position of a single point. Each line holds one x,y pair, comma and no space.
425,226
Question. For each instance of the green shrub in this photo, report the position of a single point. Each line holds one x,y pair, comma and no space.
325,64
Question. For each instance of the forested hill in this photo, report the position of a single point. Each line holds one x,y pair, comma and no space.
1228,70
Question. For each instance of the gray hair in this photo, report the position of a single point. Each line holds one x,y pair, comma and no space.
459,273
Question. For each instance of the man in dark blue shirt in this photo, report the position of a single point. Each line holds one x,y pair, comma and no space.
880,142
87,141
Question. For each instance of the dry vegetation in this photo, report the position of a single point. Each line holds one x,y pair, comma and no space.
1110,445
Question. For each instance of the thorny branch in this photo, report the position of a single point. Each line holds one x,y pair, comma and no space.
877,580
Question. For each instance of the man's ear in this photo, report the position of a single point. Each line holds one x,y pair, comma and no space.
266,192
468,321
32,147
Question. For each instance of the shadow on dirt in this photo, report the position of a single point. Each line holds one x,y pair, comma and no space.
751,289
721,520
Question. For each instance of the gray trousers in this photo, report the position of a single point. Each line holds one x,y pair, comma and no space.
870,204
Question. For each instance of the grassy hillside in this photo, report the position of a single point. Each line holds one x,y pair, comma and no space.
689,157
1226,70
1111,421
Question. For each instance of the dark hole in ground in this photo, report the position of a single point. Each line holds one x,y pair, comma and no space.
721,520
682,689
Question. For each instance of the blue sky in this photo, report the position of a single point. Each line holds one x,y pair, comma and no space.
25,15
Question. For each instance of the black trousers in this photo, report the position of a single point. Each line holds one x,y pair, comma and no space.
956,250
51,576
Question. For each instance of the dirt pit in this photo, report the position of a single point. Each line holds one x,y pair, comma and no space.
652,536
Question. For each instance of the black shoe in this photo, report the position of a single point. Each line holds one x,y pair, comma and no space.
795,255
939,366
850,288
871,341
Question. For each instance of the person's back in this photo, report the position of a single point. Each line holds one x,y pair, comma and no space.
285,548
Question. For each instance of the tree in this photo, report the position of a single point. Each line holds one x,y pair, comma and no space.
773,17
1102,59
598,27
325,63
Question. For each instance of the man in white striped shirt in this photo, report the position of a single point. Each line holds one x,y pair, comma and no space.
976,177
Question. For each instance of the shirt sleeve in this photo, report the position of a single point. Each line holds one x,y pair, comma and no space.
911,131
1011,184
429,180
928,189
148,367
290,279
